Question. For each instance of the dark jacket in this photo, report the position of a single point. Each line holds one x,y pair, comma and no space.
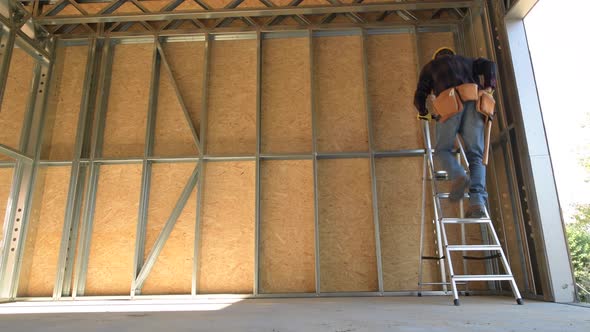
449,71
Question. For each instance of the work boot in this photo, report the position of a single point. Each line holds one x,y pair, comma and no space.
458,187
476,212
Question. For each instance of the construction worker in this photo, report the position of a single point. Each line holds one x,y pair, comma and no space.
448,71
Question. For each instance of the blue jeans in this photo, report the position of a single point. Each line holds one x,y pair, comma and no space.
470,125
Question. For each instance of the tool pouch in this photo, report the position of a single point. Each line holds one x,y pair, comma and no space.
447,104
486,104
468,92
450,101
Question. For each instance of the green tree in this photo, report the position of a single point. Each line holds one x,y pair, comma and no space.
578,236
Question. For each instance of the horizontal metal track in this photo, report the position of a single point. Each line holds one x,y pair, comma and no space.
253,12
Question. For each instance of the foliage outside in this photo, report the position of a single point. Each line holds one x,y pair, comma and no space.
578,236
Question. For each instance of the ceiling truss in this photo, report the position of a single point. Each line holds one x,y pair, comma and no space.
106,17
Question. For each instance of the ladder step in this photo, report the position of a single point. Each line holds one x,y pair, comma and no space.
466,220
483,277
479,247
446,195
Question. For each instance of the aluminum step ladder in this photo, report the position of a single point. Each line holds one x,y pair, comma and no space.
491,247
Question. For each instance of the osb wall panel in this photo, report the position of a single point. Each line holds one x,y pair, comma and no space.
110,265
44,236
186,61
340,96
347,236
502,207
286,96
232,98
64,103
5,186
479,35
172,273
399,189
392,82
173,135
287,227
226,257
124,131
16,97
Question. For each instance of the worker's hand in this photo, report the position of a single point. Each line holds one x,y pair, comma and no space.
425,117
489,91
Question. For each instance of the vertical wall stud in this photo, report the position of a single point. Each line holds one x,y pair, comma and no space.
370,133
258,139
7,37
146,168
315,163
92,188
202,168
70,229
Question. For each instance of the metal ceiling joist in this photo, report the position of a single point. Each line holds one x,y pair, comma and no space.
255,12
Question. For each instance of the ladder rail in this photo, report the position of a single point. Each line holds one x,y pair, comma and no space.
442,244
422,220
436,201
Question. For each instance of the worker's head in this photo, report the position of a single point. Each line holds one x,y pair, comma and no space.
442,52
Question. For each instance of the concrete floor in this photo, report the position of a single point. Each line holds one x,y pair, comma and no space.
435,313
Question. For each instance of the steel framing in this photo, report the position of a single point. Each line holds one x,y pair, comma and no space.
28,154
222,17
86,161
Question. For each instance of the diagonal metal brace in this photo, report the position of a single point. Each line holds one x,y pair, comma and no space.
178,95
163,237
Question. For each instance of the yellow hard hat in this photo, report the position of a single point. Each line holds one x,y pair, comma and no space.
440,49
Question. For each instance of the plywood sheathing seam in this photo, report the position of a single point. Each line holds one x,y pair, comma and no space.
340,97
172,272
232,98
126,115
44,236
347,237
64,103
16,96
286,93
227,231
110,262
287,227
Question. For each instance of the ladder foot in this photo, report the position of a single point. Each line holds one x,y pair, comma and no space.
419,294
519,301
456,302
